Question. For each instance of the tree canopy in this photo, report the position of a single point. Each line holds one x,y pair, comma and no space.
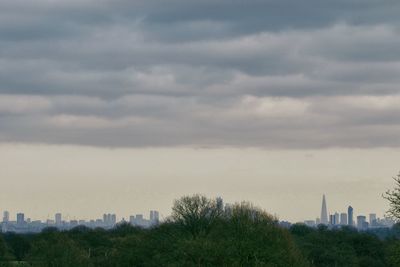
201,233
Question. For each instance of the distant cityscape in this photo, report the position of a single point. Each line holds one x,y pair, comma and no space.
336,219
109,220
26,225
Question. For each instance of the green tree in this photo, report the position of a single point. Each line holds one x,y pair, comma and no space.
393,196
3,251
18,244
249,236
393,252
57,250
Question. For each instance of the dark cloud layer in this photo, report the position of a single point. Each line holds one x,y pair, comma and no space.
283,74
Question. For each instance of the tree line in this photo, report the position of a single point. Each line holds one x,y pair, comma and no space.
201,233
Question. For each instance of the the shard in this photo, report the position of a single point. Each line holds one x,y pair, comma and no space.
324,212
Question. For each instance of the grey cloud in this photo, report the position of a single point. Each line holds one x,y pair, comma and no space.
200,73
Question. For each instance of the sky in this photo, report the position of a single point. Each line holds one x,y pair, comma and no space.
126,105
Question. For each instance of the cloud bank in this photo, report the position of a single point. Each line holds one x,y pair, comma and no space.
273,74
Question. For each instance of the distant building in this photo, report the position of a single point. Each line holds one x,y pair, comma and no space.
58,218
362,224
154,217
336,218
317,221
6,217
331,219
20,218
310,223
109,220
372,219
324,211
140,221
350,216
343,219
73,223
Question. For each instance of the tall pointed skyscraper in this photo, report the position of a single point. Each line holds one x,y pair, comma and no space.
324,212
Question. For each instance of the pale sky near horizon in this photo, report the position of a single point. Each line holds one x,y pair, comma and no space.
124,105
85,182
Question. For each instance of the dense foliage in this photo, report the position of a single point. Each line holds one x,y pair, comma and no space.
346,247
200,233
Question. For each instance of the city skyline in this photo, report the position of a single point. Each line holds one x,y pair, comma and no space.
66,217
25,224
348,218
331,217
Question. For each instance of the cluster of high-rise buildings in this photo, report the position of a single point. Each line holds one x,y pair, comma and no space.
109,220
25,225
334,220
348,219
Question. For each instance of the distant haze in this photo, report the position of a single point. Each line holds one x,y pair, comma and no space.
125,105
85,182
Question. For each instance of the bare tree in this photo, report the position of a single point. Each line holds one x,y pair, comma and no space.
195,213
393,196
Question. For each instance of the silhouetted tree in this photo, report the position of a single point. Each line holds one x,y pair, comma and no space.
393,196
196,213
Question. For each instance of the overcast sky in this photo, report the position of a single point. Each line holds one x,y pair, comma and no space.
228,75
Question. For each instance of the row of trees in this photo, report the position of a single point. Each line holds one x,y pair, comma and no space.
201,233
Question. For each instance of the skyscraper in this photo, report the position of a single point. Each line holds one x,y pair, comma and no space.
336,218
343,219
372,219
154,217
350,215
20,218
324,212
362,223
331,219
6,217
109,219
58,218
